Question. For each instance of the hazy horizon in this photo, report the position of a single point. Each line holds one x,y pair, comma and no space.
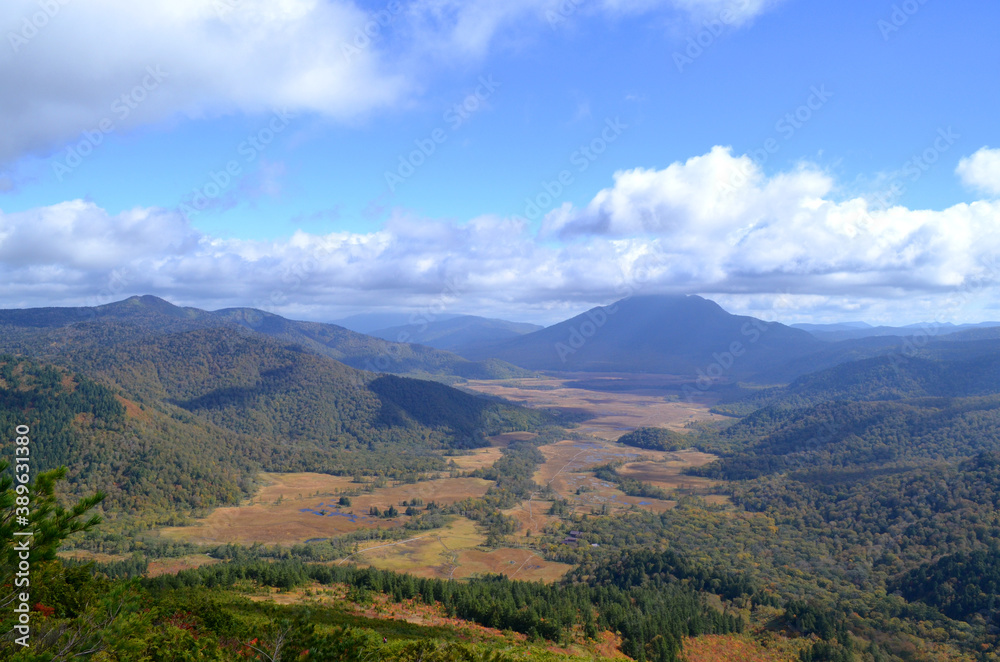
421,316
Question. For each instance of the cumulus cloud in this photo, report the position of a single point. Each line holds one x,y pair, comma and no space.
76,253
80,236
981,171
714,225
726,227
136,63
77,65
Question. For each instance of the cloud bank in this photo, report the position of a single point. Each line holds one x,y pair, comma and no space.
713,225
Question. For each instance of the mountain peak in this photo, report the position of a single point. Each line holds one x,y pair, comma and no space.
146,303
656,333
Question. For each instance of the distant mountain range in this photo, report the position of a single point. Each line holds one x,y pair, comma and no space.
683,335
937,373
144,398
464,332
39,331
694,337
687,336
369,322
855,330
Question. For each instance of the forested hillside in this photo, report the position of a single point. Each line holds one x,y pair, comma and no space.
860,435
884,499
852,515
947,371
205,410
144,459
965,585
51,331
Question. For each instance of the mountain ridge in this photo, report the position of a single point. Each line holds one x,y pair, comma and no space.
150,314
457,334
656,333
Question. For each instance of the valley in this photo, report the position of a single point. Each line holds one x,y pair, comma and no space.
818,504
605,406
295,508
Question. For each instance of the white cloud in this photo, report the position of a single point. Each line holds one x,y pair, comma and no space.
714,225
981,171
79,236
741,11
726,227
468,27
71,69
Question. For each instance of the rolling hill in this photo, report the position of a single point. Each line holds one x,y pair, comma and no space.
856,330
457,334
368,322
941,369
166,407
43,331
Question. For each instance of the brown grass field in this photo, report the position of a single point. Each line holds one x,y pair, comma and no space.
515,563
305,511
646,403
503,440
667,474
531,516
454,552
445,491
297,507
615,403
568,462
477,459
480,458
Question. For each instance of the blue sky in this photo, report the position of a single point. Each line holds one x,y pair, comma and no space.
803,161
